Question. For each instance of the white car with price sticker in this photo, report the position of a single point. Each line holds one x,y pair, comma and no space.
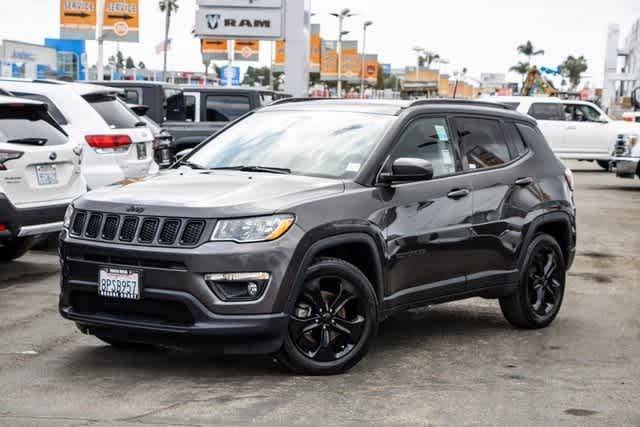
117,145
39,174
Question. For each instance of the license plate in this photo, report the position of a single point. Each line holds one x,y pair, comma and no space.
119,283
142,151
46,174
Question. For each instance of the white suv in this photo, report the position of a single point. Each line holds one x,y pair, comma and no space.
39,174
116,144
575,129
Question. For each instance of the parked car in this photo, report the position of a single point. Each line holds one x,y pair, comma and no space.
164,100
116,144
209,109
577,130
39,175
301,244
162,139
627,159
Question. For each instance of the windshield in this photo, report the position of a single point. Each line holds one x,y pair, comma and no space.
317,143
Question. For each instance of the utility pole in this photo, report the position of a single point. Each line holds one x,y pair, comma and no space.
99,30
364,55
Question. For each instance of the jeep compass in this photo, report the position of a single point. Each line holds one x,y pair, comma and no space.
299,227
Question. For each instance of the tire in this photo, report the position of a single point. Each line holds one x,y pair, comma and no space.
15,248
604,164
333,321
540,291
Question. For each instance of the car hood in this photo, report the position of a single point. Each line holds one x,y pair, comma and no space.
208,194
626,128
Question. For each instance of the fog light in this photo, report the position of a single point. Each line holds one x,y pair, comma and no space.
238,286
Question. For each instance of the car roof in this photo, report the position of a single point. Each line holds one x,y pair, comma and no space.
55,85
532,99
4,100
227,88
395,106
150,83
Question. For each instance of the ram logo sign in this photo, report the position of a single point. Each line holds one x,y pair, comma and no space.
239,23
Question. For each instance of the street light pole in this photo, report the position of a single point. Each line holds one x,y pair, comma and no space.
364,54
344,13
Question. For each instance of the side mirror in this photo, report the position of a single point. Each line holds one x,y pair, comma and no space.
407,169
180,155
140,110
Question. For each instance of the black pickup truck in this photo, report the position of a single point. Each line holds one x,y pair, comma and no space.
192,113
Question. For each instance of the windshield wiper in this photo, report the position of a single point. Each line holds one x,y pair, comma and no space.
267,169
192,165
30,141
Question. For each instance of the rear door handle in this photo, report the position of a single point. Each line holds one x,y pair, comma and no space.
524,181
458,194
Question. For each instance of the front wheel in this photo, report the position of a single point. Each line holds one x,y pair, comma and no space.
333,320
15,248
538,298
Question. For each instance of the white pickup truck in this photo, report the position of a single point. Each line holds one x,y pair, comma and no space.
577,130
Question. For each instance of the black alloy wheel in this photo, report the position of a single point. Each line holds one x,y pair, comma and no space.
538,297
329,319
332,320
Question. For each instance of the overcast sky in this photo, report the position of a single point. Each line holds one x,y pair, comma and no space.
481,35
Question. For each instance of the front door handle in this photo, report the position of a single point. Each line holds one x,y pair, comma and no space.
523,182
458,194
571,128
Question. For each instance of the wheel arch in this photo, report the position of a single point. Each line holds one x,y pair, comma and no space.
558,225
358,248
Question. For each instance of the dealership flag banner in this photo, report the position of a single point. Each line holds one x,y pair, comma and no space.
214,50
351,61
329,62
121,20
315,51
78,19
162,46
371,67
247,50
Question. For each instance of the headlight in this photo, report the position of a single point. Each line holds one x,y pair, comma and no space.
67,216
257,229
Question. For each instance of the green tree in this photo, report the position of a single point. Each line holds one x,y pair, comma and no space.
529,51
167,7
256,77
521,68
129,64
428,59
572,68
119,61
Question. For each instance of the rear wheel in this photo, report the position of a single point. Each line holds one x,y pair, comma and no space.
15,248
334,318
541,289
604,164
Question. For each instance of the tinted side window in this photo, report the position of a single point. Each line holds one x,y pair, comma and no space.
427,139
112,111
131,96
53,110
547,111
482,142
190,107
581,113
28,126
224,108
515,141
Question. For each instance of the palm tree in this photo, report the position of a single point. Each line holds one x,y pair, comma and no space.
521,68
572,68
425,61
529,51
168,7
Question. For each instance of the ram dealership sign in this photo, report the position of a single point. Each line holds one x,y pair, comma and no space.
240,19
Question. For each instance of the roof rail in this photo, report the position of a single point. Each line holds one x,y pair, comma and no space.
293,100
471,102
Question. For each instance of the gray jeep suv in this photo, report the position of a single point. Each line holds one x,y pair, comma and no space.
299,227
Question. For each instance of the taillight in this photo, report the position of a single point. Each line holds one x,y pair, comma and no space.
568,176
6,155
106,143
3,227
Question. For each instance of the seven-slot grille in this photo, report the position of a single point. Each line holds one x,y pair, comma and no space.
149,230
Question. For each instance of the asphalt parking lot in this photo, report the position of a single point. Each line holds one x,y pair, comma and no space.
452,364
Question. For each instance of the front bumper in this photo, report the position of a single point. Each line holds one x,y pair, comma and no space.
22,222
627,167
177,306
